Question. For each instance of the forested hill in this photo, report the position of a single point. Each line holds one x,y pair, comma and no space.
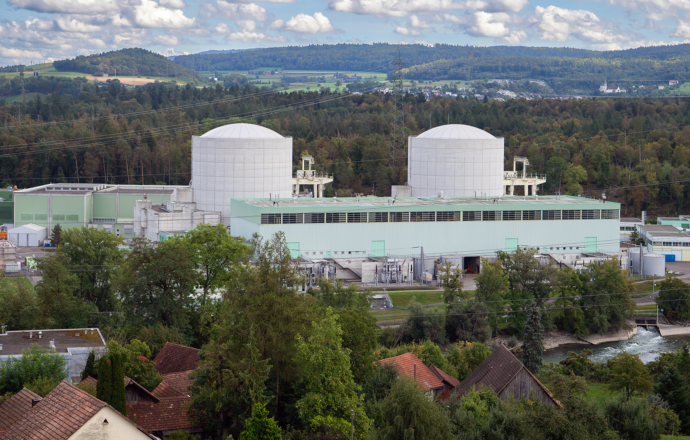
376,57
128,62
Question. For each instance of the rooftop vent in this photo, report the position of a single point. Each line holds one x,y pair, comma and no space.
34,401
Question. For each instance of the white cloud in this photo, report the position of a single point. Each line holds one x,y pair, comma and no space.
558,24
416,22
654,9
306,24
173,4
150,15
515,37
403,8
67,6
71,24
405,31
19,55
682,30
255,37
489,25
233,11
168,40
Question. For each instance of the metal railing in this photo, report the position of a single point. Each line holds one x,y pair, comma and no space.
519,175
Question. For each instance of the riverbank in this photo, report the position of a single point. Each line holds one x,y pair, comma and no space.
673,330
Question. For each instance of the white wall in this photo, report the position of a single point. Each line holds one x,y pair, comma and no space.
458,167
117,428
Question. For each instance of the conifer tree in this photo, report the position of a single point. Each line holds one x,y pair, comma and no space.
90,368
119,398
532,345
673,388
104,389
260,427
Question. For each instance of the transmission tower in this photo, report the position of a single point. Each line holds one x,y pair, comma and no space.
398,121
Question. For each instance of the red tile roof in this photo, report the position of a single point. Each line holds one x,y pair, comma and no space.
14,409
405,365
90,380
175,358
58,416
128,383
164,389
445,377
170,414
180,381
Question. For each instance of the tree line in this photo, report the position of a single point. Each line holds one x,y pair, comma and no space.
129,62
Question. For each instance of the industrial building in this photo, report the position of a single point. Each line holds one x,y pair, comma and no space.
666,240
628,225
681,222
453,208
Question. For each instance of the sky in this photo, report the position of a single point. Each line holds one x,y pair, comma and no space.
38,30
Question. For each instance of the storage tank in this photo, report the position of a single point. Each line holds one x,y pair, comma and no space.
634,257
239,161
654,265
457,160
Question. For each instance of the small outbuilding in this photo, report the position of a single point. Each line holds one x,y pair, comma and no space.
507,376
28,235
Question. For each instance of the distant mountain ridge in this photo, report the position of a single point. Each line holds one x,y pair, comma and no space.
376,57
126,62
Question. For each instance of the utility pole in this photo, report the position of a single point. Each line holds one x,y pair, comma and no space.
398,122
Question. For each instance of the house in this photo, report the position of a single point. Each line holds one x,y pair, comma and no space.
661,87
75,345
14,409
133,391
506,376
174,384
673,82
175,358
431,378
67,413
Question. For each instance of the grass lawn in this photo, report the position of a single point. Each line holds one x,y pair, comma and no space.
13,282
598,394
402,299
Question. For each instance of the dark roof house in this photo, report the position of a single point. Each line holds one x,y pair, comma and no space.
175,358
174,384
161,418
14,409
429,378
70,413
507,376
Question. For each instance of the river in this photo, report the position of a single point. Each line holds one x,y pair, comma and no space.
647,343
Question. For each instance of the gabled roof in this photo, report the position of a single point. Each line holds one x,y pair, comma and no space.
164,389
445,377
405,364
496,372
174,385
175,358
128,383
58,416
169,414
14,409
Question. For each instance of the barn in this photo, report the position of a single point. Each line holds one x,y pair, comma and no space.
507,376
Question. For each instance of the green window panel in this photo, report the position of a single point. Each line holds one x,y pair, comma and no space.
294,250
27,216
43,217
378,248
685,225
590,244
59,217
511,245
72,217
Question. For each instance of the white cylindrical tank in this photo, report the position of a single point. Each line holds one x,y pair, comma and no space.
239,161
457,160
634,256
654,265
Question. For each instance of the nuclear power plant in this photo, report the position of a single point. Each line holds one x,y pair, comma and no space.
459,205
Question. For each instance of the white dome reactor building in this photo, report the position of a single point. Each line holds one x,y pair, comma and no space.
457,160
239,161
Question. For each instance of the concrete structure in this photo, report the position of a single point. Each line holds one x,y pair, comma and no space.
110,207
383,227
628,225
74,344
651,265
157,222
682,221
456,160
27,235
239,161
667,240
308,177
530,182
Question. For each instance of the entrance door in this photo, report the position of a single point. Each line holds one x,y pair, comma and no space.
590,244
378,248
294,250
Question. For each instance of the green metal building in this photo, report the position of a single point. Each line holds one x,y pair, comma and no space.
682,221
366,227
73,205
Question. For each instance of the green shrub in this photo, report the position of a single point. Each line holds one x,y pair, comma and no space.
34,362
42,385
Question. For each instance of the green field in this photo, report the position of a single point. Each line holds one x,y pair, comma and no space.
402,299
49,70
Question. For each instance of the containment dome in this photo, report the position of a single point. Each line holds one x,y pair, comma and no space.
238,161
458,160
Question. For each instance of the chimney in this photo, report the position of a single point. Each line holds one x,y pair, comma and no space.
644,215
40,335
34,401
52,345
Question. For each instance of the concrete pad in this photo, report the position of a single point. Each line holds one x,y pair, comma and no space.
673,330
612,336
